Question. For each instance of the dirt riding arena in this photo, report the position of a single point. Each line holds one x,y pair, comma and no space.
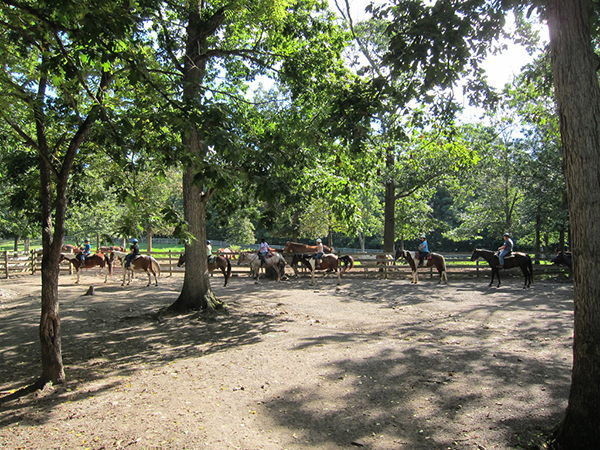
374,364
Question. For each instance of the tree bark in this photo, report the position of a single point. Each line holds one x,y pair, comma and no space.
575,66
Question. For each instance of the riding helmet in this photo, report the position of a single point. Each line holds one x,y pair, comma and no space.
319,241
134,240
207,242
507,234
87,240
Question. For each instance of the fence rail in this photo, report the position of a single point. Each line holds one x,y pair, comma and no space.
20,263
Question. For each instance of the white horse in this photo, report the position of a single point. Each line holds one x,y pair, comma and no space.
276,260
141,263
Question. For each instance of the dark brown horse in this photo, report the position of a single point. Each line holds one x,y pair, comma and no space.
141,263
218,262
521,260
329,262
563,259
93,260
433,259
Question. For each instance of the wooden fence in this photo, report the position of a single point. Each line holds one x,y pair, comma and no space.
19,263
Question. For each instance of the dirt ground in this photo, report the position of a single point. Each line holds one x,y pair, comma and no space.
375,364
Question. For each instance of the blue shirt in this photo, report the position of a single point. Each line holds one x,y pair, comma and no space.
423,247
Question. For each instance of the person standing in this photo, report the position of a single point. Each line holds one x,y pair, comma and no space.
505,250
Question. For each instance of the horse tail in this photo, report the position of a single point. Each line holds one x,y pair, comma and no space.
530,265
443,263
155,265
228,267
108,264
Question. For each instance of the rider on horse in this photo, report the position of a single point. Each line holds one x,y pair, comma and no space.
263,251
423,250
317,256
85,252
209,252
505,250
134,252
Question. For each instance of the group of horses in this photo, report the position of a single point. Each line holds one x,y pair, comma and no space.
105,261
303,255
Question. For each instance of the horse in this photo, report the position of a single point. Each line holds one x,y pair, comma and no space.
296,247
93,260
226,252
328,262
516,259
563,258
218,262
141,263
274,260
433,259
67,248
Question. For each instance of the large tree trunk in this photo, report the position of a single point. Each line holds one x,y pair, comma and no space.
196,292
578,97
52,240
389,212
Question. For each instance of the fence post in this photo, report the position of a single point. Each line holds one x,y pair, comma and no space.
6,262
32,262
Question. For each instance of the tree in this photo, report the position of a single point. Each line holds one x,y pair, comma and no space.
216,48
415,51
577,93
59,60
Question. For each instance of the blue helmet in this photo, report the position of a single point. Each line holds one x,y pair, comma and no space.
207,242
134,240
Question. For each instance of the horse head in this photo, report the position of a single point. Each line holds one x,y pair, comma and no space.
475,254
181,260
563,258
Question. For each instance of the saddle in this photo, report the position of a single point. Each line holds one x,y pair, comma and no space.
418,255
212,259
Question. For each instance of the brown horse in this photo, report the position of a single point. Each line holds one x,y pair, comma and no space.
329,262
93,260
433,259
295,248
521,260
141,263
218,262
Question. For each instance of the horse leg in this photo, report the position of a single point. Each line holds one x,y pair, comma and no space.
526,275
223,271
498,275
415,277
